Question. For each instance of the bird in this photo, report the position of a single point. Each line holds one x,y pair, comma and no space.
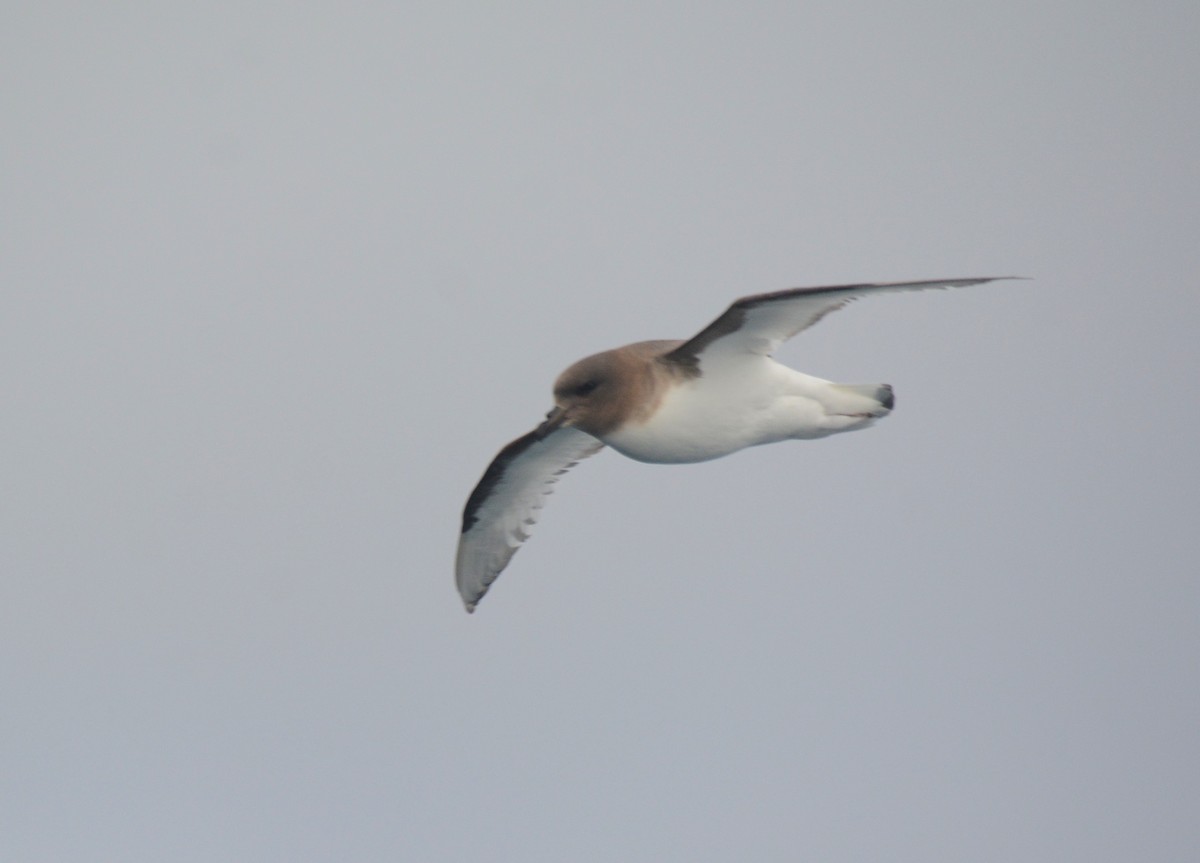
672,402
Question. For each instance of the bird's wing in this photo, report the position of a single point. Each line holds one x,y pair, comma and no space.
759,324
501,511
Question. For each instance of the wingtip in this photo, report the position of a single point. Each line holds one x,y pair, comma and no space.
977,280
981,280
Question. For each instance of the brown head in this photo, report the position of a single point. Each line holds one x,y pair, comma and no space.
600,392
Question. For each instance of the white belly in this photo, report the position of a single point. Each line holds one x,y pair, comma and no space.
708,417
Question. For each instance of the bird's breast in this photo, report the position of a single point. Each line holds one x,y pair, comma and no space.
693,422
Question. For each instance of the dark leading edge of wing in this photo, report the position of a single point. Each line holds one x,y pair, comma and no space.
798,309
492,476
502,509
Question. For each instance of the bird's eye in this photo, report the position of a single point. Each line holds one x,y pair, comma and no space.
586,387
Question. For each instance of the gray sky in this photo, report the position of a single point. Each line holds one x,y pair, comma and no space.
279,280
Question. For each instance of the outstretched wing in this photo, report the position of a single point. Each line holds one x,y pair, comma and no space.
501,511
759,324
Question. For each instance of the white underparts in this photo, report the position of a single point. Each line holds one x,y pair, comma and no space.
757,403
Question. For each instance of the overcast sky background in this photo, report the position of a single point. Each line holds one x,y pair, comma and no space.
279,279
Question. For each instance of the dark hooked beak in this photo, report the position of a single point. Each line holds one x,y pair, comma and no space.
554,420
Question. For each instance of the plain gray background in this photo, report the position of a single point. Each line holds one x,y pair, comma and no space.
279,279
